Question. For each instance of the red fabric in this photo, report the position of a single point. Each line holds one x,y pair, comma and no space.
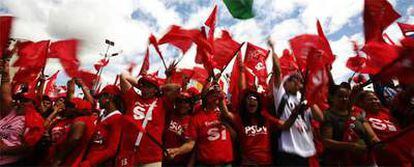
400,67
312,58
288,64
103,145
379,55
382,123
33,54
66,51
174,137
88,78
179,77
234,82
204,52
211,23
5,29
357,63
406,28
301,47
325,43
317,86
255,59
154,43
225,49
147,152
378,15
34,126
76,155
214,146
200,74
50,87
81,104
398,149
181,38
359,79
145,63
255,143
59,132
111,89
26,75
100,64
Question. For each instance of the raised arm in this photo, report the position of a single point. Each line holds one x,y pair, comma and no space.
71,89
6,94
126,81
86,92
242,77
276,72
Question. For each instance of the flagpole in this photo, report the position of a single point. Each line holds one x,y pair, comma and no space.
234,55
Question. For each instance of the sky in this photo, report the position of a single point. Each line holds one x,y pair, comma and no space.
128,23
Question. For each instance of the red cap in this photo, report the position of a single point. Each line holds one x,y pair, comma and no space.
29,96
151,79
110,89
81,104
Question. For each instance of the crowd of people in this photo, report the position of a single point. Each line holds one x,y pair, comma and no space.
147,121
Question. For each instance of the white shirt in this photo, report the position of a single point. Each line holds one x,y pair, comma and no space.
299,138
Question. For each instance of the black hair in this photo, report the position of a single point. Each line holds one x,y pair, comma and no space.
245,115
333,90
47,98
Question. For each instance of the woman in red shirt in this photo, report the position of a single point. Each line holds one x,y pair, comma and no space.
175,129
207,133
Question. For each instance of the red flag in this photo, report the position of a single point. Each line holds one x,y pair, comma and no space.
66,51
154,43
399,147
200,74
401,67
50,88
181,38
378,55
100,64
34,125
325,43
378,15
234,81
359,79
255,59
26,75
145,63
288,64
5,29
317,85
301,47
225,49
33,54
88,78
203,56
181,76
406,28
211,23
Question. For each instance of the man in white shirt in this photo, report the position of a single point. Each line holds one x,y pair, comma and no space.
295,143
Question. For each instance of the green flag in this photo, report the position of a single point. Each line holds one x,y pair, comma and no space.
241,9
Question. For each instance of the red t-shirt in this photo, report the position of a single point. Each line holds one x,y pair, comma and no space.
213,140
255,143
382,123
137,109
75,156
58,135
174,137
104,143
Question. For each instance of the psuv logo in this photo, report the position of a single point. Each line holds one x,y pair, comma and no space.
176,127
255,130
